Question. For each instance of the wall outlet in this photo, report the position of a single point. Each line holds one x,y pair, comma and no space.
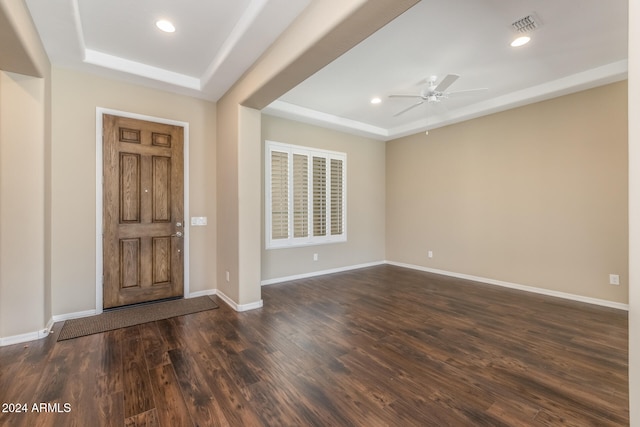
315,257
614,279
227,275
430,254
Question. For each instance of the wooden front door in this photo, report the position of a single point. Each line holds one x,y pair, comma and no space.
143,214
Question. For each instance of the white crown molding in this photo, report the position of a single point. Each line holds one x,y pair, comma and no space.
289,111
252,34
598,76
588,79
77,25
116,63
251,13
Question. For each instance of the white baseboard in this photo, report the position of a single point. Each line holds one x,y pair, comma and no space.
319,273
201,293
32,336
517,286
29,336
238,307
76,315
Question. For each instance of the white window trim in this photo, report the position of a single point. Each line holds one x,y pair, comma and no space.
310,240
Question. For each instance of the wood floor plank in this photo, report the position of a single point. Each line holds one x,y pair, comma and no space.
230,399
110,366
110,410
203,408
277,406
359,405
155,346
167,395
138,394
314,404
379,346
144,419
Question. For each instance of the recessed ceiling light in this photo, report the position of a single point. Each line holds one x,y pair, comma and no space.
165,26
520,41
376,100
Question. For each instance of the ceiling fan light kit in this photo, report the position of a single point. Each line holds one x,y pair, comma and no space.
433,93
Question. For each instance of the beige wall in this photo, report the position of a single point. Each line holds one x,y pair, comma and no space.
325,30
365,201
22,51
227,203
634,213
535,196
25,114
75,98
22,204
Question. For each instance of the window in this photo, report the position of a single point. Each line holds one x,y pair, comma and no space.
305,195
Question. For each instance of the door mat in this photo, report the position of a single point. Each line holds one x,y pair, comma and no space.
131,316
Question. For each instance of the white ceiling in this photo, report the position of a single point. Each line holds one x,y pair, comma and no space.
579,44
215,41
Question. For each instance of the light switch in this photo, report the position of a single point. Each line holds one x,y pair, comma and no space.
198,220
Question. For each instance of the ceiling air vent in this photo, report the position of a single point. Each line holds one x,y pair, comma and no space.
526,24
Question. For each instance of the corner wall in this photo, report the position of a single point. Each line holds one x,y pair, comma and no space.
534,196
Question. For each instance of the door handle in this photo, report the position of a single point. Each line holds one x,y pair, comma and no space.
178,234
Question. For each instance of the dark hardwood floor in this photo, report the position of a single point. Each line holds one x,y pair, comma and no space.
381,346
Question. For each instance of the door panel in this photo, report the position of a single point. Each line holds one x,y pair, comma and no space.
129,188
161,189
130,263
143,211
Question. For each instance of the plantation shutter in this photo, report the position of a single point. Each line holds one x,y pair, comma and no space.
279,195
336,197
305,196
319,196
300,195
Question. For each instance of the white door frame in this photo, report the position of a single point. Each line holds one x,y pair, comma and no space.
99,183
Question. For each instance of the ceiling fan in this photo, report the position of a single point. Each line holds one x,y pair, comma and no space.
434,93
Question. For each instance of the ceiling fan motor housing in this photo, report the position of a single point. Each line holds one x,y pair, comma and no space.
431,95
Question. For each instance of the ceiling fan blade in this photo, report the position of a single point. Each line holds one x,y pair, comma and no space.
408,108
404,96
466,91
446,82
